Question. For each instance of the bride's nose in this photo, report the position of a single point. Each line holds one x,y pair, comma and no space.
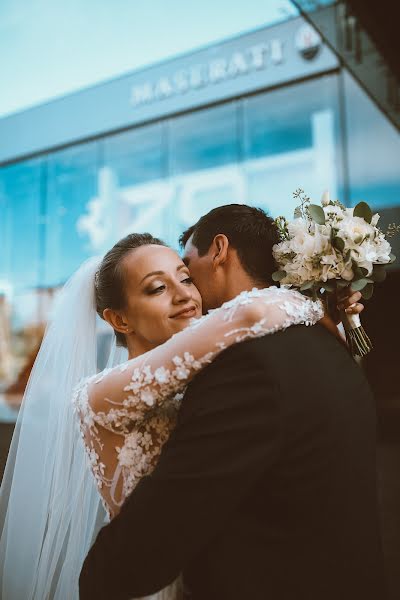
182,293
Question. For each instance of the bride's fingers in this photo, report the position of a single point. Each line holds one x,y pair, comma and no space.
354,309
347,301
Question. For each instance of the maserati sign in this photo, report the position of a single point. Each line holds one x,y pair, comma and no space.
239,63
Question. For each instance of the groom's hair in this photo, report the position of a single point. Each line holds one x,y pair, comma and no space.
249,230
110,279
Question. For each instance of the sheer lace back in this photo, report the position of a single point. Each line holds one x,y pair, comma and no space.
127,413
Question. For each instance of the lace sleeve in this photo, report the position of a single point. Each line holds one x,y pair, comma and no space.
128,393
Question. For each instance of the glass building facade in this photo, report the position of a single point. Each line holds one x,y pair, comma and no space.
315,130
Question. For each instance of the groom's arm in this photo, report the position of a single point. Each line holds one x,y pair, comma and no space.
208,466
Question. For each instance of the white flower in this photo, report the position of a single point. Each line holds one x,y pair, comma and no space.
364,256
382,249
162,375
148,375
333,212
181,372
127,457
353,230
189,359
177,360
147,397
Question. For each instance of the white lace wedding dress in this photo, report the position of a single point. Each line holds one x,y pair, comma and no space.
126,414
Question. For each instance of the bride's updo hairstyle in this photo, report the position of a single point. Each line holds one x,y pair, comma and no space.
249,230
109,279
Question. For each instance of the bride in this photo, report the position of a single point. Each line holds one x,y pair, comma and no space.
73,462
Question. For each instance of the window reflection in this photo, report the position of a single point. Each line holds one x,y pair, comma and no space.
292,140
20,268
207,138
58,210
71,184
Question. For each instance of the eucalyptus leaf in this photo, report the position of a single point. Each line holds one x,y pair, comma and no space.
306,286
278,275
392,257
363,210
359,285
338,242
359,272
317,214
368,291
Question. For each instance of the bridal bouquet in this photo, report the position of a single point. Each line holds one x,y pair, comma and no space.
329,247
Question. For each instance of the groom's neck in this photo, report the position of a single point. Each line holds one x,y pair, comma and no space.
238,281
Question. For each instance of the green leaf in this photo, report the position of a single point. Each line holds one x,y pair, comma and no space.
338,242
297,213
368,291
359,272
306,286
379,273
278,275
392,257
358,285
363,210
317,214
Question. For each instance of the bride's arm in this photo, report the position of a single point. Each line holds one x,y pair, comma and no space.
130,391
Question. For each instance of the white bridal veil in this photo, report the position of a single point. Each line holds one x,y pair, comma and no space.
50,509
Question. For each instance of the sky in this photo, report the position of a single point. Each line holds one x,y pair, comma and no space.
49,48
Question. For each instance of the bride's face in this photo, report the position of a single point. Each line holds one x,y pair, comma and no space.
160,296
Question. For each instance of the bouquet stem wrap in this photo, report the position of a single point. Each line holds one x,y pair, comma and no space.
357,338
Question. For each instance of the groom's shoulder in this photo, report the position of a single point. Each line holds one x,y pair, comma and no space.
294,345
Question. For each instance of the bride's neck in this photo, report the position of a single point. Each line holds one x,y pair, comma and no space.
137,347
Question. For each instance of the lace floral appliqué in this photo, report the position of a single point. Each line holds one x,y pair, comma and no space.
125,432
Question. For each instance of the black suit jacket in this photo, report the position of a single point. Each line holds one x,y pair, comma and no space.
265,490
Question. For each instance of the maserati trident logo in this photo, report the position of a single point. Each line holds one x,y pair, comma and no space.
308,42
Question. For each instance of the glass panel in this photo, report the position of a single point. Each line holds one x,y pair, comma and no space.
21,316
131,180
204,139
292,140
72,186
373,158
136,156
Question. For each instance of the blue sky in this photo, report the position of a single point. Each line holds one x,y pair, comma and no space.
53,47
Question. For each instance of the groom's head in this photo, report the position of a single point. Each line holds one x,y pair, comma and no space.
229,250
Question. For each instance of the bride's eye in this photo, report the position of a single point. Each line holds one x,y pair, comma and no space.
157,289
187,280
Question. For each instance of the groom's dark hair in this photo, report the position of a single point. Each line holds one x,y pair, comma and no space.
249,230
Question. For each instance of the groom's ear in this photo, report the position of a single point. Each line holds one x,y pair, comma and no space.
219,249
116,320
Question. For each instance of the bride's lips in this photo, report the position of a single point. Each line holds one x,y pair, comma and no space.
186,313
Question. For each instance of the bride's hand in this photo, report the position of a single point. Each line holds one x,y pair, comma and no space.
344,300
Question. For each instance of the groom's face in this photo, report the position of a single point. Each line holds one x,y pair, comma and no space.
203,275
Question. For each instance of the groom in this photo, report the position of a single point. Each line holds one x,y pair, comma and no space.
266,489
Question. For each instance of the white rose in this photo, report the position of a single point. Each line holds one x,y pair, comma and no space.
353,230
333,212
382,250
364,257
